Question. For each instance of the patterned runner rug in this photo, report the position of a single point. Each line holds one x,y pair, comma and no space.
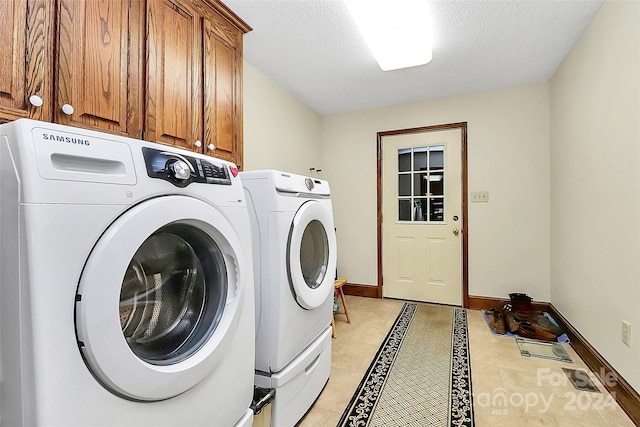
421,374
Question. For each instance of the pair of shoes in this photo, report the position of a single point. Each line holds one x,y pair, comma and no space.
528,329
496,321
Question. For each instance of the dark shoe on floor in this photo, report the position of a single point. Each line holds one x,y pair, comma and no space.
535,331
544,321
521,304
496,321
510,321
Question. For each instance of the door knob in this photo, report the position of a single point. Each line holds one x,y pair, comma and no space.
36,101
456,231
211,147
67,109
198,143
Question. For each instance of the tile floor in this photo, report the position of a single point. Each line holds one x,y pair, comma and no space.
508,389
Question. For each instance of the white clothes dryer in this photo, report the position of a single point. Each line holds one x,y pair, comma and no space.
127,283
294,246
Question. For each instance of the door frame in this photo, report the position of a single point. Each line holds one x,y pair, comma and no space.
464,178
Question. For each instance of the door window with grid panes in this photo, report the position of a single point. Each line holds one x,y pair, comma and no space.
421,184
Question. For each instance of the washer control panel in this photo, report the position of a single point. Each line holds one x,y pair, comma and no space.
181,170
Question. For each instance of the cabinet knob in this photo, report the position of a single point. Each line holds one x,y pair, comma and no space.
198,143
67,109
211,147
36,101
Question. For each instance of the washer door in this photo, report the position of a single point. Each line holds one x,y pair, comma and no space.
311,255
158,300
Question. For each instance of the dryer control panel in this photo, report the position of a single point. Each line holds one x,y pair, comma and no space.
181,170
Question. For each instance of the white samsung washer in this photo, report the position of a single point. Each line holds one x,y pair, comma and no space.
127,283
294,247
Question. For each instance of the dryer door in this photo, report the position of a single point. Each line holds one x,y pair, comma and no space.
159,297
311,255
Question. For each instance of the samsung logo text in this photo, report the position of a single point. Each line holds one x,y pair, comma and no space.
67,139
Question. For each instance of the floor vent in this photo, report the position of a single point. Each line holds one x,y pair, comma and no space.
580,380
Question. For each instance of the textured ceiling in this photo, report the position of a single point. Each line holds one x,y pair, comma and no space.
312,49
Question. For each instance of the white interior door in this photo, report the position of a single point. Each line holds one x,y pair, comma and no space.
422,216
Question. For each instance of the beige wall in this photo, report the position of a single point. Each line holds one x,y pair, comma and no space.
508,134
508,146
508,151
595,185
280,132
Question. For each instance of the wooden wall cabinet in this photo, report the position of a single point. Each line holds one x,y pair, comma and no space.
25,59
168,71
222,71
194,75
97,69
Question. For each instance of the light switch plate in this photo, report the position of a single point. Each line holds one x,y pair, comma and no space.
626,333
479,196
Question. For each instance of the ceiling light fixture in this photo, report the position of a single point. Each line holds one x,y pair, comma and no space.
398,32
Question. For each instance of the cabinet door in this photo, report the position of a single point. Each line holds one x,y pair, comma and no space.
222,86
174,94
25,51
98,65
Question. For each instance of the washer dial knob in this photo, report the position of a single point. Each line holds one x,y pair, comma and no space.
309,183
180,170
